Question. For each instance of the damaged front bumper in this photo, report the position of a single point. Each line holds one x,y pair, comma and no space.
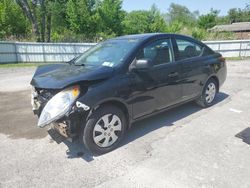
68,123
34,101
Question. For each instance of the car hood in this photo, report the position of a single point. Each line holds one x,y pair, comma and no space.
58,76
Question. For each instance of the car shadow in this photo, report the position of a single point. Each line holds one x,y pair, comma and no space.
77,150
145,126
165,119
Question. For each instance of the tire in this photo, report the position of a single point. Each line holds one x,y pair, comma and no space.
104,130
210,89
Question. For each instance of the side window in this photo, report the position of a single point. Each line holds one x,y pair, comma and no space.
187,49
159,52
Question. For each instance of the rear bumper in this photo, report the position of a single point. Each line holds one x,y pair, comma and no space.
222,75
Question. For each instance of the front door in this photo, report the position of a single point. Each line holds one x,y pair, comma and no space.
156,88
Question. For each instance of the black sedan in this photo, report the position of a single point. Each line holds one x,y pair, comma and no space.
98,95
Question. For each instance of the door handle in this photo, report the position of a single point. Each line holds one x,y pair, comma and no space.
173,74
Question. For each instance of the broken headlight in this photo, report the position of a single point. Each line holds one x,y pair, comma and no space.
58,106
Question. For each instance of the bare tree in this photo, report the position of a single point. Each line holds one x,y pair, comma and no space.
43,19
41,27
29,12
49,20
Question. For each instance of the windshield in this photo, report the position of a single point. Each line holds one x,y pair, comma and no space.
110,53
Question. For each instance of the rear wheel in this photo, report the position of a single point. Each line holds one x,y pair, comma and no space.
104,129
208,94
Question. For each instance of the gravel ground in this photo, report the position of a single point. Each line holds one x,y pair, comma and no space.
15,79
184,147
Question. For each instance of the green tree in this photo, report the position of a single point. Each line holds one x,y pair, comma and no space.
136,22
144,21
239,15
39,14
91,20
181,14
12,21
82,17
209,20
111,16
72,16
174,27
59,23
199,33
234,15
156,20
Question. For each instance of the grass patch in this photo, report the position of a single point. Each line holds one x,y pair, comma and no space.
236,58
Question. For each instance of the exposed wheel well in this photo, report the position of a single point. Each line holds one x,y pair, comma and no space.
119,105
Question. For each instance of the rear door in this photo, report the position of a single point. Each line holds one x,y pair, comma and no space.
188,54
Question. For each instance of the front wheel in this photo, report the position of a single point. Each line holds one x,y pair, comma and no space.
208,94
104,130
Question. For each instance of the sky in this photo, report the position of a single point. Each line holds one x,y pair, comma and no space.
203,6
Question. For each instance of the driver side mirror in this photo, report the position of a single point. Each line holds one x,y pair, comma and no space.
143,64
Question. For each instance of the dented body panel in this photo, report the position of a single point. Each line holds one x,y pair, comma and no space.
59,76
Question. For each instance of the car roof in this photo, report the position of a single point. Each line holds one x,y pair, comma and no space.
146,36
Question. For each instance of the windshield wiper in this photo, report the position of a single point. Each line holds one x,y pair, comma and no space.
82,64
73,60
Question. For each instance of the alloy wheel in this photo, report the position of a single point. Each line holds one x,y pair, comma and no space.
106,130
210,92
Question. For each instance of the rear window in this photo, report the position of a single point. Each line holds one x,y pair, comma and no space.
207,51
187,49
